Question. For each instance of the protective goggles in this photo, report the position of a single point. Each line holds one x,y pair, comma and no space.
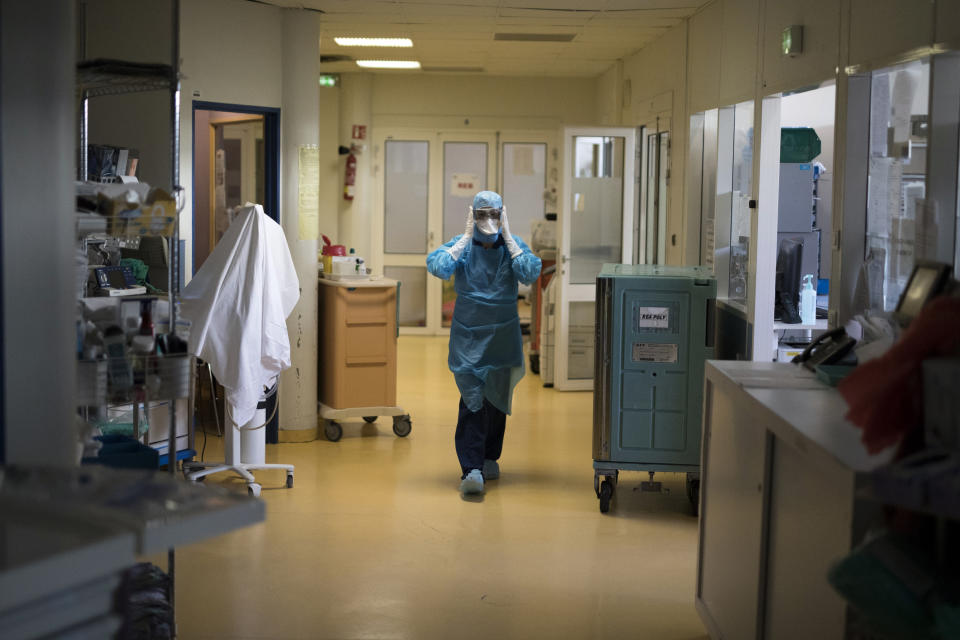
487,213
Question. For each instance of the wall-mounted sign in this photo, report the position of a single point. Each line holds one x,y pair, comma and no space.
359,132
464,185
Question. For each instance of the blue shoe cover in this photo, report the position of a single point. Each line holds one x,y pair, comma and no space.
491,470
472,483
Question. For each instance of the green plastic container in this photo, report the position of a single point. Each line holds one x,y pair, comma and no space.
832,374
798,144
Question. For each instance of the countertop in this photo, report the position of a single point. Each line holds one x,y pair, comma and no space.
799,409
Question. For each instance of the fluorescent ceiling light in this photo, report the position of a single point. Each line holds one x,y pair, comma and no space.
374,42
389,64
535,37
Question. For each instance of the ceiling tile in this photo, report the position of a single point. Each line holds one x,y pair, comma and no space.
689,6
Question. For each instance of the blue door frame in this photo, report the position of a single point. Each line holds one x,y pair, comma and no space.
271,191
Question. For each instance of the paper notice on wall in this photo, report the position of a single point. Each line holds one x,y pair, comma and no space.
708,243
904,86
522,160
464,185
883,195
308,195
879,114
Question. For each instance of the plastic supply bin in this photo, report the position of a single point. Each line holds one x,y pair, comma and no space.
654,333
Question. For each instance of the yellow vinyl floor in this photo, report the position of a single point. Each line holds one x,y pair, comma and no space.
375,542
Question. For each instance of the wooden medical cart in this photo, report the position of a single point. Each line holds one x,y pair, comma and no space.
357,350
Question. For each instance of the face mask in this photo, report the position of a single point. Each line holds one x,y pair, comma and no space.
488,221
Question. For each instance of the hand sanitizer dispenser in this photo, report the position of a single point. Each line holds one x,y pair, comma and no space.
808,301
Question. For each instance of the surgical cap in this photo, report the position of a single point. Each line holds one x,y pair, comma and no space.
487,200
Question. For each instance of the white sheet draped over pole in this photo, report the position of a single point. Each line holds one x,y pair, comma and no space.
238,303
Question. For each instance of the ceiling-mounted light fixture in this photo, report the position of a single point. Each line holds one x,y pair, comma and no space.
373,42
388,64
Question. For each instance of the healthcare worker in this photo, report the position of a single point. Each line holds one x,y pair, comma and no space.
486,352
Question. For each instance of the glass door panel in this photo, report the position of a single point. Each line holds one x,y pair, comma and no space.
657,182
406,225
412,302
465,172
742,192
897,218
596,208
596,227
406,168
523,185
524,181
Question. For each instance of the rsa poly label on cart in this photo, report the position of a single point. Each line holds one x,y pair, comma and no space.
655,352
653,317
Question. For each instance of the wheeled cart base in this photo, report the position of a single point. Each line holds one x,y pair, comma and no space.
244,451
605,484
333,430
243,470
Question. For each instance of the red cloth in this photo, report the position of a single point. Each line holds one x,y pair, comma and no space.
885,395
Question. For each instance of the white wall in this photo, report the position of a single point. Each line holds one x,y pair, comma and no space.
884,28
356,216
821,20
244,53
37,170
422,98
703,51
658,96
815,109
448,103
948,23
300,120
738,52
229,53
141,121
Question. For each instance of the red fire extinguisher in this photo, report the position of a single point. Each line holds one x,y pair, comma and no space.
350,178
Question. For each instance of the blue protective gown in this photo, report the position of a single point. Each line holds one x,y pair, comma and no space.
486,351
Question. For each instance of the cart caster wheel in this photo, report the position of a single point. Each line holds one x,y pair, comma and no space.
535,363
693,494
606,493
254,489
402,425
333,431
289,481
369,419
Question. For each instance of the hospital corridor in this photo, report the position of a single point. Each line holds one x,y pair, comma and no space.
479,320
376,542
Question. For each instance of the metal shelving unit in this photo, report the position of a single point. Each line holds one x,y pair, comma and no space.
102,77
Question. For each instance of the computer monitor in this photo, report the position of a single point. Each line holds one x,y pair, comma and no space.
927,280
789,265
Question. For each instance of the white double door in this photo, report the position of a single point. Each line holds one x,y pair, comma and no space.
426,181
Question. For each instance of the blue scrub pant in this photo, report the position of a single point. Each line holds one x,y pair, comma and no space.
479,435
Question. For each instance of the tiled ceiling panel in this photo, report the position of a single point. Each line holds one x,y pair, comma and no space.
460,33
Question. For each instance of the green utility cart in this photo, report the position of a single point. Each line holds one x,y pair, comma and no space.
654,333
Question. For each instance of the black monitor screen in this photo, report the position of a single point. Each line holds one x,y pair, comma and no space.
789,266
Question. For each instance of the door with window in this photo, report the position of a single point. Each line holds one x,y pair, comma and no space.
655,185
468,166
596,227
428,182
